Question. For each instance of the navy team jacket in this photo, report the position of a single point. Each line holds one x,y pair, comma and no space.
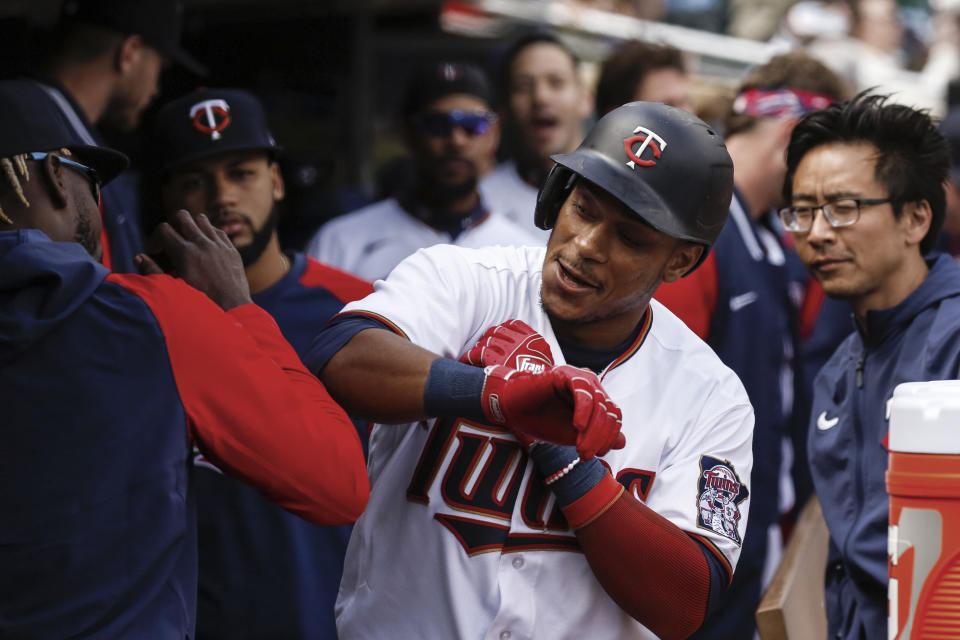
264,572
107,381
919,339
738,302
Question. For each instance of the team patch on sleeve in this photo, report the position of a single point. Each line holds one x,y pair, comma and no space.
720,493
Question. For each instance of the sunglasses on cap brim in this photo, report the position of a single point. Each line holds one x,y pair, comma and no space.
442,123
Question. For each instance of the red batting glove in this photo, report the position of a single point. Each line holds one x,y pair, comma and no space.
516,345
563,405
513,344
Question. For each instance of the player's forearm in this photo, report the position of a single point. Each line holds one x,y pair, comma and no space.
379,376
651,568
294,443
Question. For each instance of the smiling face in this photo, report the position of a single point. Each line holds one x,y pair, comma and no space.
237,190
874,263
547,102
602,266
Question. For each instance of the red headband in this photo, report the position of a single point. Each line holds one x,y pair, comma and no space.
779,103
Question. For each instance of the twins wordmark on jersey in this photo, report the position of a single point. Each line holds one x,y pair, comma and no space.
721,493
482,472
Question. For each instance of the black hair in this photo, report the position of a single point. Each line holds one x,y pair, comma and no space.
528,38
80,42
913,158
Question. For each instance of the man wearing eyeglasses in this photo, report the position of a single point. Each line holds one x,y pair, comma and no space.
865,186
108,379
451,133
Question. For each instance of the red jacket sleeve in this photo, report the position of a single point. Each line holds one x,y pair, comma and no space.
252,408
693,298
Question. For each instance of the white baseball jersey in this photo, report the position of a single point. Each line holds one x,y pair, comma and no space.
461,539
371,241
508,194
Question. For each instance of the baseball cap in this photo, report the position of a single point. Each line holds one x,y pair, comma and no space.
210,121
31,122
950,129
439,79
158,22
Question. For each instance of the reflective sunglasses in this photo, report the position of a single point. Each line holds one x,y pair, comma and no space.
88,172
441,123
839,213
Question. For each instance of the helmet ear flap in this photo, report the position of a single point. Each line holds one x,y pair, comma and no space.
552,195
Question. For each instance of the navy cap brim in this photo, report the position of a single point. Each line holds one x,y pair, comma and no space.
106,162
188,62
273,152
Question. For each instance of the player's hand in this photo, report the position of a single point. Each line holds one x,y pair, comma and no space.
201,255
562,405
514,344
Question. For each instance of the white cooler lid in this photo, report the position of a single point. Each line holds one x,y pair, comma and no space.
925,417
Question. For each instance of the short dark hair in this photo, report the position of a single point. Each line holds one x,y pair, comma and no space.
913,158
794,70
521,42
625,68
80,42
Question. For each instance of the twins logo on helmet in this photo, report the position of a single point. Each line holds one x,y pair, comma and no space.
650,140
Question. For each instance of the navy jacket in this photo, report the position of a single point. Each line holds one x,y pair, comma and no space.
264,572
738,302
106,381
919,339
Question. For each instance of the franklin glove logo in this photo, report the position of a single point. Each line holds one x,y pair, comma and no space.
531,364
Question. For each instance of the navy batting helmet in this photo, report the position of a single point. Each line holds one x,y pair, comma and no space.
665,164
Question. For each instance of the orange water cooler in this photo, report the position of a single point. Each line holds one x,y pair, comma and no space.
923,480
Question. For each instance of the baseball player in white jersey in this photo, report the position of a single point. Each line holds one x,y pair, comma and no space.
510,505
509,195
371,241
450,132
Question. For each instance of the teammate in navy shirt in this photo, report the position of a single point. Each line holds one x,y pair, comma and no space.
108,380
264,573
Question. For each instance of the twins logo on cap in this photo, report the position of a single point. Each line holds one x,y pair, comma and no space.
648,140
211,116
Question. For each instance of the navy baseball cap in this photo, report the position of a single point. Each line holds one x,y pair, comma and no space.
31,122
439,79
158,22
208,122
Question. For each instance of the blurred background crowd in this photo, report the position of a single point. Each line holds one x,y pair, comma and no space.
331,74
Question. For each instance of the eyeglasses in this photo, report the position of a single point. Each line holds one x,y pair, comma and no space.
88,172
441,123
839,213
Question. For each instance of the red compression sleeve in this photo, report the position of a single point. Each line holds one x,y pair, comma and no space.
651,568
251,406
693,299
